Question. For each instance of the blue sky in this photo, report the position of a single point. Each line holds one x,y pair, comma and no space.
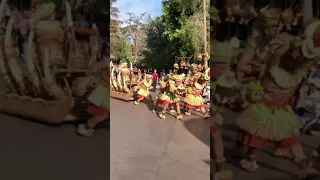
153,7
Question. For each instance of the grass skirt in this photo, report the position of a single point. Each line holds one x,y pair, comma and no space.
272,124
194,100
164,97
143,92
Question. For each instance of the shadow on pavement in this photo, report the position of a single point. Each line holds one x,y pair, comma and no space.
199,128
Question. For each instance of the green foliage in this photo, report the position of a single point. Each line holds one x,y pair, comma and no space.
157,54
126,50
121,49
178,32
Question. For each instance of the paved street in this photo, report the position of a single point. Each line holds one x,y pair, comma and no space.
31,150
35,151
144,147
270,167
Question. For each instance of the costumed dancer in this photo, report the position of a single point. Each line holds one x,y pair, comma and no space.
226,89
178,93
309,111
272,121
216,123
100,104
170,96
226,92
310,48
265,28
175,69
144,91
222,56
194,100
193,76
175,73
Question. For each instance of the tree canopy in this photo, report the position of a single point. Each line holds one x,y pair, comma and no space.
120,47
155,42
177,32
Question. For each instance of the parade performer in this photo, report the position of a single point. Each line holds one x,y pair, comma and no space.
123,77
309,111
272,121
180,89
193,76
175,69
226,91
175,73
265,28
100,104
194,100
308,48
144,91
215,129
222,56
170,96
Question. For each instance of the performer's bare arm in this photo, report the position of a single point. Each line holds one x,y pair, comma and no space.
243,66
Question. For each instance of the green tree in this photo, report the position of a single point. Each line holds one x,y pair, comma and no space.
121,49
157,55
135,30
126,50
184,25
178,32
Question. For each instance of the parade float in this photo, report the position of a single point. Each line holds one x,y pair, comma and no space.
124,83
56,71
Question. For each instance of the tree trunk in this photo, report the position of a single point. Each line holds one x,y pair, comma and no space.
205,31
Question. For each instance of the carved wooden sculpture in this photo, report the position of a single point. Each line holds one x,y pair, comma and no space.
43,91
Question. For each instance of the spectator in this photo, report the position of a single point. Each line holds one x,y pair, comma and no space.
163,73
155,78
206,94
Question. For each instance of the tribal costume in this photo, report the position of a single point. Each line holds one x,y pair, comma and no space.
171,96
194,99
272,121
226,91
144,91
195,84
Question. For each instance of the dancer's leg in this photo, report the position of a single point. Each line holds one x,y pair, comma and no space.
250,161
179,115
306,168
88,128
204,112
162,114
138,100
218,148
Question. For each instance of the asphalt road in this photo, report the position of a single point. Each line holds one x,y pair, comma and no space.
271,167
35,151
31,150
145,147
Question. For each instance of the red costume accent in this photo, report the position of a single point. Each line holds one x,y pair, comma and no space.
143,97
97,111
257,142
159,101
188,106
